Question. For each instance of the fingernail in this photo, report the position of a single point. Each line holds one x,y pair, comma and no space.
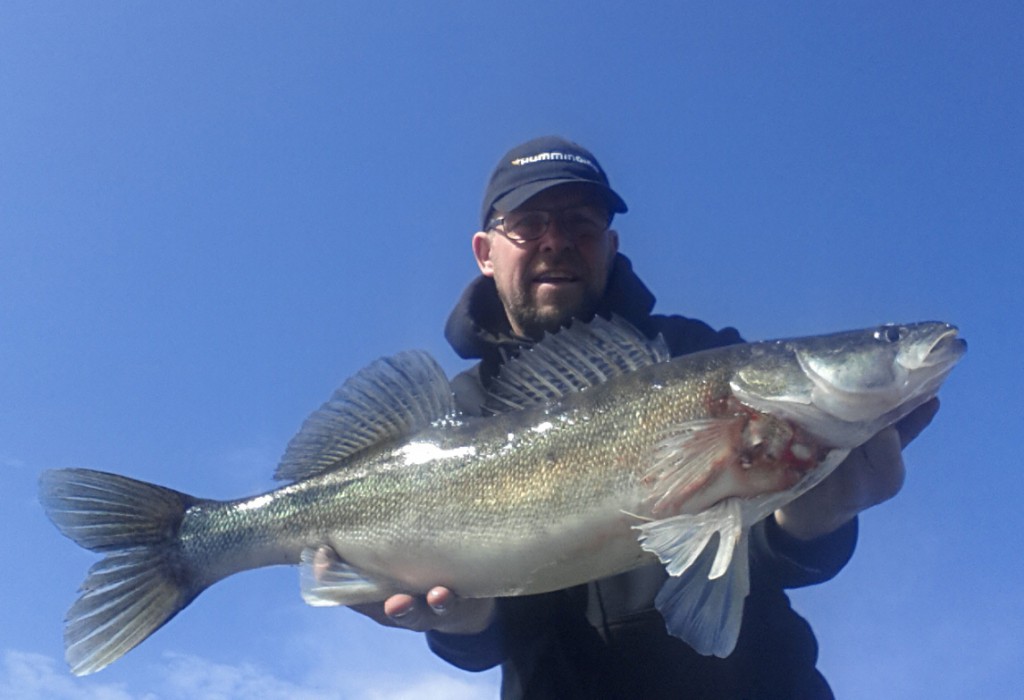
401,613
438,607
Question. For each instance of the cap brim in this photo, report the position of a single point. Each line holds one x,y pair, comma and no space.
517,197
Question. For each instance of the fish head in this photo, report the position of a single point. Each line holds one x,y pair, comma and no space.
845,387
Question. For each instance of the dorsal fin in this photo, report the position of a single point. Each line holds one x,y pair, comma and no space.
573,359
392,397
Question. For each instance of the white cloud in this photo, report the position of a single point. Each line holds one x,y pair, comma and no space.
12,463
430,687
187,676
192,677
30,676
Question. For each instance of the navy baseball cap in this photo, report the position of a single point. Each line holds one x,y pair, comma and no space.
541,163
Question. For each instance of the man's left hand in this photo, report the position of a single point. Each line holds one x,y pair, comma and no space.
871,474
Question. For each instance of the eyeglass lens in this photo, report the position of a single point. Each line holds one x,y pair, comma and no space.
577,222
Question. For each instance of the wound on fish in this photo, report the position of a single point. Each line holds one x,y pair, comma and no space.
740,453
773,453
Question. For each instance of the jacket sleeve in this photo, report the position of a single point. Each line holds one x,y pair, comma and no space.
531,629
792,563
545,644
470,652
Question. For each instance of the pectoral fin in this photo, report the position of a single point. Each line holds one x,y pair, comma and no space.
688,462
327,580
709,576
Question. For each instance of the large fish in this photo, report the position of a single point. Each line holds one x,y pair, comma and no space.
604,454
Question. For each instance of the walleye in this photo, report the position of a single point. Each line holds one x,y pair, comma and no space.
604,454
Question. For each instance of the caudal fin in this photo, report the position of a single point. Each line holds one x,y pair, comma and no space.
141,583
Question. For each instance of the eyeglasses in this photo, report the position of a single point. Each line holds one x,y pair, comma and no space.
574,222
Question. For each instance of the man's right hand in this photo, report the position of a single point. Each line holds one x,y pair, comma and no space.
439,610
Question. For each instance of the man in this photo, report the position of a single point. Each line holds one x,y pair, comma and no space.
547,255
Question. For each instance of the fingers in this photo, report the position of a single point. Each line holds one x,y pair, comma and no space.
439,599
918,419
883,472
419,613
441,610
871,474
411,612
374,611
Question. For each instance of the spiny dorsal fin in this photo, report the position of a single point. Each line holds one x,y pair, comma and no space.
573,359
390,398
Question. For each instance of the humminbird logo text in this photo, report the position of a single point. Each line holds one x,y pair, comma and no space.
556,155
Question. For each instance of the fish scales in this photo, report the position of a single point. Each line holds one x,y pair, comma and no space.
540,473
532,476
605,455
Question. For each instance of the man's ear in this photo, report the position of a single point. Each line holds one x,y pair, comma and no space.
482,253
613,245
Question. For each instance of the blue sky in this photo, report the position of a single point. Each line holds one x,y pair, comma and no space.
213,213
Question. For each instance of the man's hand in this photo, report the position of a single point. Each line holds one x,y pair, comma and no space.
439,609
871,474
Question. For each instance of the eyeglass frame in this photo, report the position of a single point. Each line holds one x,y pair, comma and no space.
496,221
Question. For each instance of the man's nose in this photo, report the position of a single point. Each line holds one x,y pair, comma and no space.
555,237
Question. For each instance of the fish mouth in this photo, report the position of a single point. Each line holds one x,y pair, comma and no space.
949,345
945,348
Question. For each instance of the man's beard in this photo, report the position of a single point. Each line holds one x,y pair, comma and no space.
535,321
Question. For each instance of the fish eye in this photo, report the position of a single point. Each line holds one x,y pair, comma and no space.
888,334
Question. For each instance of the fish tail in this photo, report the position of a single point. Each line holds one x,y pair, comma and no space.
143,581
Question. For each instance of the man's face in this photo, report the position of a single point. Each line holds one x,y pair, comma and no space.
544,282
